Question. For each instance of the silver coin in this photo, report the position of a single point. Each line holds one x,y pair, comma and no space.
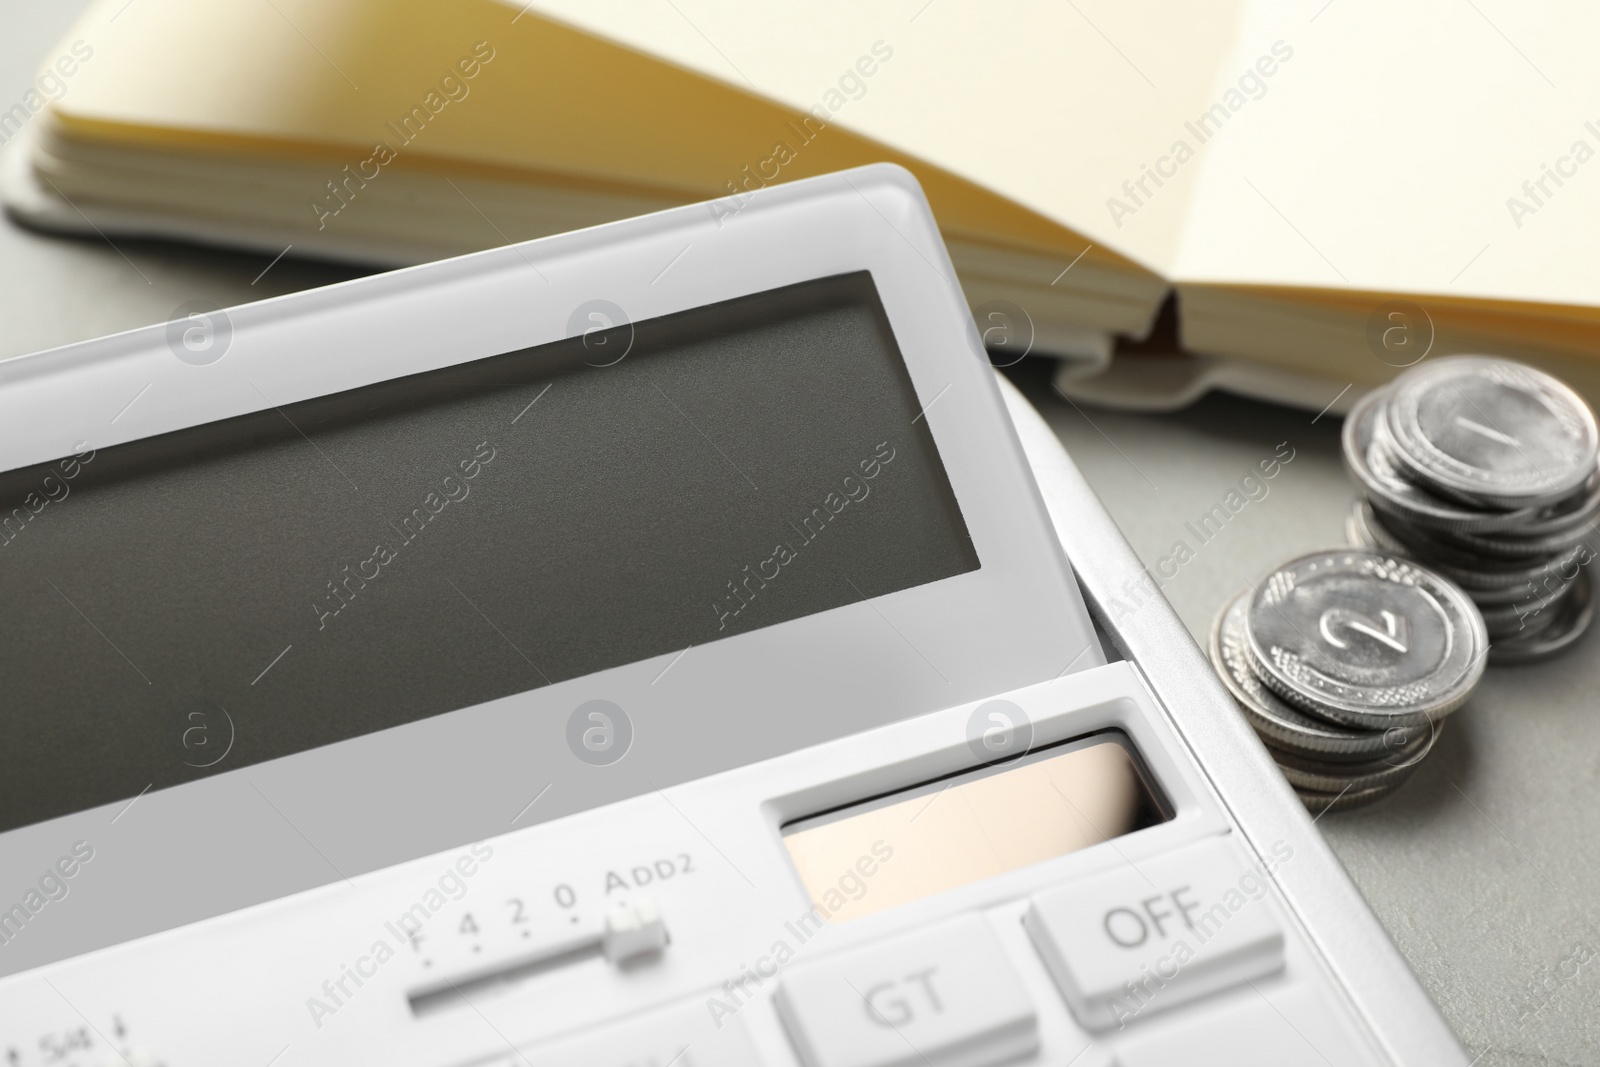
1521,632
1569,619
1366,530
1364,639
1473,573
1400,746
1368,456
1511,594
1333,777
1514,547
1581,509
1528,614
1281,725
1318,803
1485,576
1491,430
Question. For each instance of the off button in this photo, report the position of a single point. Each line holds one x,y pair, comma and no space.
941,997
1141,939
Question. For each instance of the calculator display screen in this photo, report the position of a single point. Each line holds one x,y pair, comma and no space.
231,593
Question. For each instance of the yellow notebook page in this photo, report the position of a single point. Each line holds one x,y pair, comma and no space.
546,103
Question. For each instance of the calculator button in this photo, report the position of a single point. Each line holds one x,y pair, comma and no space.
941,997
1257,1030
1146,937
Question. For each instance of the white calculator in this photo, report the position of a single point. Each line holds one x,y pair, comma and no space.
668,644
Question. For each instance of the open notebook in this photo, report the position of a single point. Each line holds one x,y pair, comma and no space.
1313,192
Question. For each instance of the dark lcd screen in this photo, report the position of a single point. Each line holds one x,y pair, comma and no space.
367,559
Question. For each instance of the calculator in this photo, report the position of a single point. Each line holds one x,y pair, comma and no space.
668,644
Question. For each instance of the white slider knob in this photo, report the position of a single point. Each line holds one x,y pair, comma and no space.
633,929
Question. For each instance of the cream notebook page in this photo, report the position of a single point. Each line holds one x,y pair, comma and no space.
305,79
1050,104
1370,146
1387,155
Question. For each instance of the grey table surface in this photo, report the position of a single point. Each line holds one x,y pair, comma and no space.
1485,869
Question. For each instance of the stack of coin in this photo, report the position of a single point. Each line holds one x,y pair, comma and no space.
1485,471
1346,664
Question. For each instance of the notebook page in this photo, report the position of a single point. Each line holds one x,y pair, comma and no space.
1392,154
375,85
1052,105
